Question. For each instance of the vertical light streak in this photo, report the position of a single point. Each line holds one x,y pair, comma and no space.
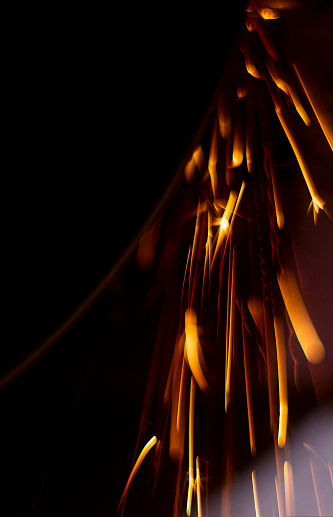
230,327
315,489
238,142
190,448
300,319
279,498
289,489
255,494
282,374
248,385
276,190
213,158
198,487
321,111
317,201
193,348
149,445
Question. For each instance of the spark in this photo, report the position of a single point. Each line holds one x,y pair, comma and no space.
317,201
282,372
320,110
300,319
255,494
289,489
191,482
247,372
193,349
198,487
149,445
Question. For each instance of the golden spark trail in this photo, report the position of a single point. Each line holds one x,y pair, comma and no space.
255,494
213,158
229,343
321,111
282,373
149,445
248,386
193,348
198,487
317,201
289,489
300,319
190,448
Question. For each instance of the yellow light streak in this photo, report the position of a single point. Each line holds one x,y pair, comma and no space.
282,373
317,201
300,319
321,111
149,445
191,483
230,328
238,143
177,421
198,487
248,385
255,494
289,489
213,158
193,349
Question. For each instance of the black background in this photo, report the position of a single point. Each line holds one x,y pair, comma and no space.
102,107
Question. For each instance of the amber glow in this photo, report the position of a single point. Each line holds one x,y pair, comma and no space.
300,319
198,487
282,372
193,349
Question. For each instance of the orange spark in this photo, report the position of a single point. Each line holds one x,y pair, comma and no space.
300,319
193,349
198,487
248,386
213,158
149,445
321,111
190,448
230,328
282,373
317,201
269,14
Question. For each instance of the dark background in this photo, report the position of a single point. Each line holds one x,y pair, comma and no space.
102,107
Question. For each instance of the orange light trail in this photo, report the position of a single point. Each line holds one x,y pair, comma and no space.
300,319
230,327
191,482
248,386
317,201
198,487
321,111
282,373
212,160
193,349
149,445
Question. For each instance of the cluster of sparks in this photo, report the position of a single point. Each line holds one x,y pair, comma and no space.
233,178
